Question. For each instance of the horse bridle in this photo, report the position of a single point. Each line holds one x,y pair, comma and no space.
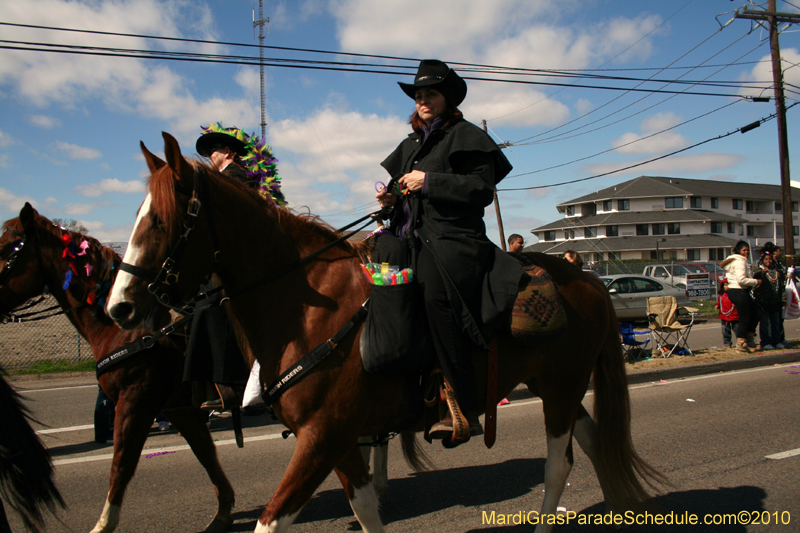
163,284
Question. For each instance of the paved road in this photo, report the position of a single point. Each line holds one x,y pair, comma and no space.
710,435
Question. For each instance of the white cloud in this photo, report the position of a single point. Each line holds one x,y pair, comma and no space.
762,72
531,37
633,143
127,85
79,209
111,185
43,121
583,105
74,151
349,162
12,203
50,200
675,165
104,233
6,139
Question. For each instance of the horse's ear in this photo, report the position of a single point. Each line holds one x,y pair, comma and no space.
182,169
27,215
153,162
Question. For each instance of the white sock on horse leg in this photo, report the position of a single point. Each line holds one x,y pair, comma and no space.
109,519
279,525
365,507
556,471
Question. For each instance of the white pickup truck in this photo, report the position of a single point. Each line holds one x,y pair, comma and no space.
669,273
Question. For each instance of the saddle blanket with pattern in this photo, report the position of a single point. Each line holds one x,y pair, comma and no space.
538,311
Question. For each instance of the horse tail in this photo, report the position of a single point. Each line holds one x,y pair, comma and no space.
619,463
413,453
26,473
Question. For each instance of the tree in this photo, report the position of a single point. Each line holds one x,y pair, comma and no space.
71,224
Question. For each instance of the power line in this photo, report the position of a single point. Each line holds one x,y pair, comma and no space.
743,129
175,56
628,143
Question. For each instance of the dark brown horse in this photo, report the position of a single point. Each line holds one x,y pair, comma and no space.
243,241
141,386
26,472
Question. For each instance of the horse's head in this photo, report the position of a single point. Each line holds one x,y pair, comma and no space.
162,264
21,277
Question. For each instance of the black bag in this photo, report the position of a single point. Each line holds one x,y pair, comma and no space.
394,338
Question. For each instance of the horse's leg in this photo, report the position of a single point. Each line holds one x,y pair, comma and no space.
318,450
586,434
361,494
191,424
380,468
556,471
131,427
365,444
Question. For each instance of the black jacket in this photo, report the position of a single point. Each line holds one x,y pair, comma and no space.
463,166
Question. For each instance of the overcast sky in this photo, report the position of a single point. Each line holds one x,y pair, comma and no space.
70,125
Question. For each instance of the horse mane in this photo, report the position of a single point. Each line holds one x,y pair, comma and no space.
301,226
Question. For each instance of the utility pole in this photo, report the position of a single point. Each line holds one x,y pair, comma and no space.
260,23
774,18
497,205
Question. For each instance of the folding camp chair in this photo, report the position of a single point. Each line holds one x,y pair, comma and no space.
669,336
634,349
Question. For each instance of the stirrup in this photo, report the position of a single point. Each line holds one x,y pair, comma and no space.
459,426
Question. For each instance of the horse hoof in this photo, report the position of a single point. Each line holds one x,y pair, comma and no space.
219,524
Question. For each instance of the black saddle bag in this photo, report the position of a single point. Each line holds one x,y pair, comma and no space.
394,339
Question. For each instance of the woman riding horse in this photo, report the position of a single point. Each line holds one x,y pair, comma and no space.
447,170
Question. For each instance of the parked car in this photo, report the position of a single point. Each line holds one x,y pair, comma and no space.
672,273
629,294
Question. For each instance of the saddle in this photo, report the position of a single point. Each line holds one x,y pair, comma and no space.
538,311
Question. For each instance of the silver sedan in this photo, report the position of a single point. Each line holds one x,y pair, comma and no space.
629,293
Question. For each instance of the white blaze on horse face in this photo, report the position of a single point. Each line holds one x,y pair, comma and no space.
132,255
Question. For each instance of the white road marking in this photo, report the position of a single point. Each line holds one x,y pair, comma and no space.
63,430
25,391
784,455
148,451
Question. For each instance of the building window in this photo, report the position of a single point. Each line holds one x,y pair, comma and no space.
795,230
716,227
741,230
738,204
778,207
612,231
570,210
569,234
659,229
794,207
642,229
673,228
589,232
693,255
731,227
715,203
673,203
653,254
613,256
607,205
716,254
696,202
550,235
750,206
751,231
623,205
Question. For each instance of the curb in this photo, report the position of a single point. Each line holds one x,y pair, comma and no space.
637,377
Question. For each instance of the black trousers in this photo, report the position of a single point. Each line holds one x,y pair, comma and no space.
453,347
748,314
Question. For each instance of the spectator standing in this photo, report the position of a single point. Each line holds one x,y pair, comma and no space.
728,316
769,297
515,242
573,257
740,281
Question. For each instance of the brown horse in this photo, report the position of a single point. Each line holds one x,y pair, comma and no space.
231,231
142,385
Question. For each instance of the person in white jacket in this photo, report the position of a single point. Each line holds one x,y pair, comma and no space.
740,281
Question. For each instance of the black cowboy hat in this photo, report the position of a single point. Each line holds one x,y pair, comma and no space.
207,142
437,75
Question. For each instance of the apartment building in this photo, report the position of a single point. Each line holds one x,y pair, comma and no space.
664,218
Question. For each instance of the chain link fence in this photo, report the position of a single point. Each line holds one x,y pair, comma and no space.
26,344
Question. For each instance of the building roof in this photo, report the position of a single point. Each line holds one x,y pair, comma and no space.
657,186
633,243
639,217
